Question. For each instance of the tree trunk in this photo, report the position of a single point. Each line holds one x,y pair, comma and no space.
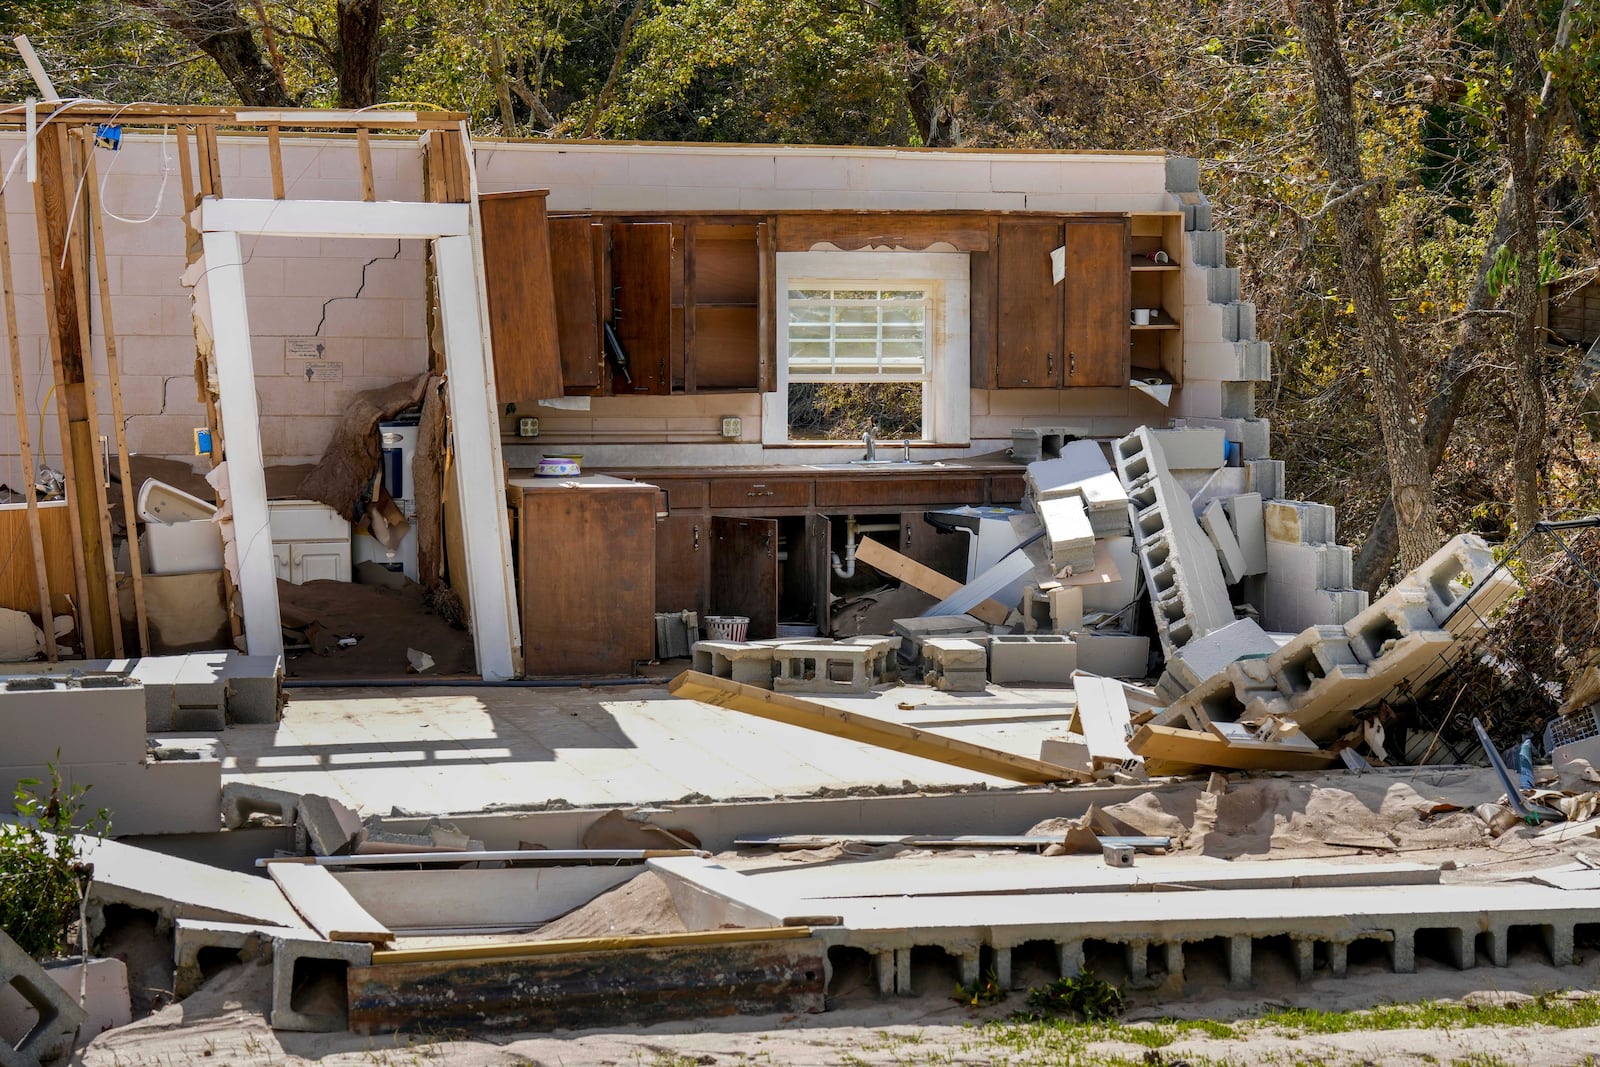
502,85
1377,552
218,29
935,125
360,29
1360,233
1522,138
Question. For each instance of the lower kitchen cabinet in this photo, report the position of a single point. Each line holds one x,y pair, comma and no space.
586,556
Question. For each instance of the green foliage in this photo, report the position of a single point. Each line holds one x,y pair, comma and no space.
1082,995
986,990
42,874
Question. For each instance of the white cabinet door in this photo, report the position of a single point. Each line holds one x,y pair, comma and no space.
280,562
315,561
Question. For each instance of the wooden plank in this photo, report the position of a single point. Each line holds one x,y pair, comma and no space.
25,454
981,281
1028,310
788,842
191,235
1169,750
325,905
767,319
577,303
853,726
275,160
521,297
114,384
1096,298
369,191
1102,715
66,365
905,569
641,280
907,231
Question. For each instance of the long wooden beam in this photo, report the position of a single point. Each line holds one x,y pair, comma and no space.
1170,750
854,726
585,945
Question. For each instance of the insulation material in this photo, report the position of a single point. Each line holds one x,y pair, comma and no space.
341,479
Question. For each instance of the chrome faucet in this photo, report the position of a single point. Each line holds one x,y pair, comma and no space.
872,445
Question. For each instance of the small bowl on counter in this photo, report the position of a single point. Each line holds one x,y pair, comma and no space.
559,465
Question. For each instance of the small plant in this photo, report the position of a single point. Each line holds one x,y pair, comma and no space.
1089,998
42,873
986,990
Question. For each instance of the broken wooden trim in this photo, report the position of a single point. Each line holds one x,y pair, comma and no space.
880,733
620,943
325,905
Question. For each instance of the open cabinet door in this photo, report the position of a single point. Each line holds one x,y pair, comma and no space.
577,303
641,305
744,572
521,297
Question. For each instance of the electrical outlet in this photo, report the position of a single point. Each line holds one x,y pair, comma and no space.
732,427
527,426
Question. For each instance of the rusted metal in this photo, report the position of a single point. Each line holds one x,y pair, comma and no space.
648,985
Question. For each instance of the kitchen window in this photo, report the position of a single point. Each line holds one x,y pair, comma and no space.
873,340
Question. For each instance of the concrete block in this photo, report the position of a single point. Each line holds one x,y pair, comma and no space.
105,998
822,667
1208,248
158,797
955,665
1265,478
1035,609
1209,655
1031,443
1183,174
883,659
1222,483
1075,461
1253,436
1113,655
1247,515
57,720
1309,566
296,962
1114,596
913,632
250,941
158,675
1252,359
241,800
746,663
1222,284
200,693
1066,608
1189,594
1069,537
331,828
1298,522
1397,614
1215,523
1238,400
1196,210
1069,750
58,1016
1190,449
1047,659
254,689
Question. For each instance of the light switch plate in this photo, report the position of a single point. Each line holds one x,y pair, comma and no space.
527,426
732,427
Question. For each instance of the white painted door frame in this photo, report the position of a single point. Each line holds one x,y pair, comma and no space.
474,421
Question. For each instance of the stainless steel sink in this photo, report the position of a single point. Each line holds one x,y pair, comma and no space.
875,465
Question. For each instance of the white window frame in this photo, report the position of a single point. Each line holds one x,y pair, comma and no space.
947,409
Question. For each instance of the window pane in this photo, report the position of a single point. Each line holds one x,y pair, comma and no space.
842,411
810,294
810,313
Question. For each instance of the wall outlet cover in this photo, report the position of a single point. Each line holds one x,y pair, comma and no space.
732,427
527,426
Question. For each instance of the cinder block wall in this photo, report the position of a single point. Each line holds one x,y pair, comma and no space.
305,288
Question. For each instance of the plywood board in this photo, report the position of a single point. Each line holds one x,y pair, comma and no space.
1170,748
903,568
811,715
19,586
326,905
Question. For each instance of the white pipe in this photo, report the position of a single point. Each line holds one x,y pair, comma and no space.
562,855
846,568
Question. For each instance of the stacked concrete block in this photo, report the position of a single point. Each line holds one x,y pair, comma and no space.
59,1016
747,664
251,942
292,958
1224,697
1082,471
1223,482
1214,520
1118,594
1046,659
1187,449
1253,436
955,665
1246,514
254,689
92,729
1308,575
882,659
1211,654
822,667
1066,608
1035,610
1188,592
913,632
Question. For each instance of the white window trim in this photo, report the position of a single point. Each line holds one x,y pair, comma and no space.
947,405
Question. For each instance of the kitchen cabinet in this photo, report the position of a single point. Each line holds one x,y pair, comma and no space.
586,558
1156,284
1075,333
576,285
641,305
520,295
744,575
683,553
310,542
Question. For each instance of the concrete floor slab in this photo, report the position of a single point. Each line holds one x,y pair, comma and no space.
441,750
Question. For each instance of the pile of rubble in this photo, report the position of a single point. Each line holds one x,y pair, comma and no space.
1171,560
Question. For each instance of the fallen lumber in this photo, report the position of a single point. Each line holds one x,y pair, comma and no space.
791,842
903,568
853,726
1169,750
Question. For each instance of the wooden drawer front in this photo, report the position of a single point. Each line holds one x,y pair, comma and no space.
760,493
1007,488
897,490
685,495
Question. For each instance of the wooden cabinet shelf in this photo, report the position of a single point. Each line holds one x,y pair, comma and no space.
1158,345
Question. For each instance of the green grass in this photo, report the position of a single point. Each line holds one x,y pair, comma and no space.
1555,1011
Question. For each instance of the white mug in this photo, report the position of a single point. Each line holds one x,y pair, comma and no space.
1160,256
1141,316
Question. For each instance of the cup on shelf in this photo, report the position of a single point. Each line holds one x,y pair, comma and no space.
1141,316
1160,257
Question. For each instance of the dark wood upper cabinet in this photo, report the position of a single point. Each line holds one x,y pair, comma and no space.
577,303
521,297
1028,327
1096,295
722,281
641,305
